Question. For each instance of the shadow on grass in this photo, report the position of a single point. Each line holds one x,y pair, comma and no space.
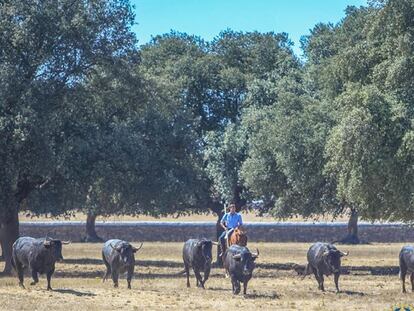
252,295
74,292
256,295
220,289
351,293
138,263
5,275
379,270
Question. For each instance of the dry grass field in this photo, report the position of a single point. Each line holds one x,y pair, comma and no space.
158,284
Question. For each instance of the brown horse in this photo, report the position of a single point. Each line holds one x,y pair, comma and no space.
238,237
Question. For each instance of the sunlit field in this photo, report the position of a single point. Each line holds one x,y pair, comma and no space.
159,284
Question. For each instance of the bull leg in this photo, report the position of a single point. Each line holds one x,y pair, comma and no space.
35,277
108,269
320,277
237,288
129,276
20,272
245,287
226,273
106,274
199,278
236,285
403,272
187,273
412,281
48,277
115,276
206,275
317,278
336,279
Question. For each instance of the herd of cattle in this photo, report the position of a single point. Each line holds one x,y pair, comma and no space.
40,256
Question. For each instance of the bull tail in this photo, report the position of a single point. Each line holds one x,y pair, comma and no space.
308,270
13,263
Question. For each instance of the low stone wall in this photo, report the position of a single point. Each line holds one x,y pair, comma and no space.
181,231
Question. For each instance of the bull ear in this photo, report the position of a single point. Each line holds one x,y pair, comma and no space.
237,256
134,249
47,243
325,253
48,236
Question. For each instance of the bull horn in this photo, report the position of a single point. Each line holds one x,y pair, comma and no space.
255,255
66,242
343,254
137,249
214,243
237,256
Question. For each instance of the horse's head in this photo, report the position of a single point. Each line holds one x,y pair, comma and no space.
240,231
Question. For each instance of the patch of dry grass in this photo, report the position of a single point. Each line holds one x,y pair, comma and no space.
159,287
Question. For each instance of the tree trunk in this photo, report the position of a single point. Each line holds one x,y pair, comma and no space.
237,199
91,235
9,232
352,236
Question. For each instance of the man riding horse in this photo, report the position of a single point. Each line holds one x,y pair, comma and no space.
229,222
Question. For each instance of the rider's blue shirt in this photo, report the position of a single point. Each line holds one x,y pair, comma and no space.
232,220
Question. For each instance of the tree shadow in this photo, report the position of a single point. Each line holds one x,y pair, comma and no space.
219,289
74,292
255,295
351,293
8,274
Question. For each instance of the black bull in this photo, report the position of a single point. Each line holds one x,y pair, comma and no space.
118,257
407,265
239,264
324,259
197,254
39,255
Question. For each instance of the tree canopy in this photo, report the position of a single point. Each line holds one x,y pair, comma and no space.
90,121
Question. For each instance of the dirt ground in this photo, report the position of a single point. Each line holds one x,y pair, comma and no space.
158,284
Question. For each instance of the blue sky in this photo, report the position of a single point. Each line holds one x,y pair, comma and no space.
206,18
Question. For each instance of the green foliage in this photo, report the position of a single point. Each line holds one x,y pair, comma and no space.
88,121
339,136
47,49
